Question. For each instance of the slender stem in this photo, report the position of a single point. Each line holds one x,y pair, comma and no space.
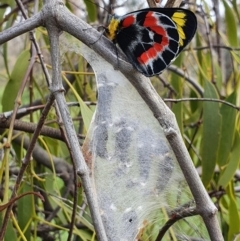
55,14
57,89
25,163
18,29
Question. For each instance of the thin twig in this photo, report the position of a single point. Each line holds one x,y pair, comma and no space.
70,23
203,99
75,192
173,3
151,3
25,163
215,46
166,85
176,216
191,81
57,90
33,39
30,128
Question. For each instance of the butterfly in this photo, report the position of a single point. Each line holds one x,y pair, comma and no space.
152,38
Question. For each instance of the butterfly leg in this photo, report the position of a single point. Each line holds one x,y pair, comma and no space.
104,29
116,52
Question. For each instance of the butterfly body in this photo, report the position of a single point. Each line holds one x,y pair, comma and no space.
152,38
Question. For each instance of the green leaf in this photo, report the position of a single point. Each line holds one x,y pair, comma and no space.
86,112
25,211
15,81
2,12
235,7
211,131
227,131
5,57
5,45
233,164
91,9
10,231
177,84
234,219
178,111
10,3
204,62
199,57
194,105
231,25
218,75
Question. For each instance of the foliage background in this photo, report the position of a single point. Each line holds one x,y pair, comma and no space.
208,68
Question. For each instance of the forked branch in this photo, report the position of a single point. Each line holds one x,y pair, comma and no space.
57,18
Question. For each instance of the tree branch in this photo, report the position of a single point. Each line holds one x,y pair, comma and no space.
54,8
21,28
30,127
25,163
57,18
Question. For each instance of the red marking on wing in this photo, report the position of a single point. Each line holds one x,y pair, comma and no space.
128,21
165,41
158,29
151,22
153,52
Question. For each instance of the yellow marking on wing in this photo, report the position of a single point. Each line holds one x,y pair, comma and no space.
180,19
112,28
181,35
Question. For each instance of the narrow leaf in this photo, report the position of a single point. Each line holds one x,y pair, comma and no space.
227,131
14,83
233,164
86,112
211,130
234,219
91,9
231,25
235,7
25,211
177,84
10,231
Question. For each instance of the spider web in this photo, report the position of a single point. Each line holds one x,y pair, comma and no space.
135,173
